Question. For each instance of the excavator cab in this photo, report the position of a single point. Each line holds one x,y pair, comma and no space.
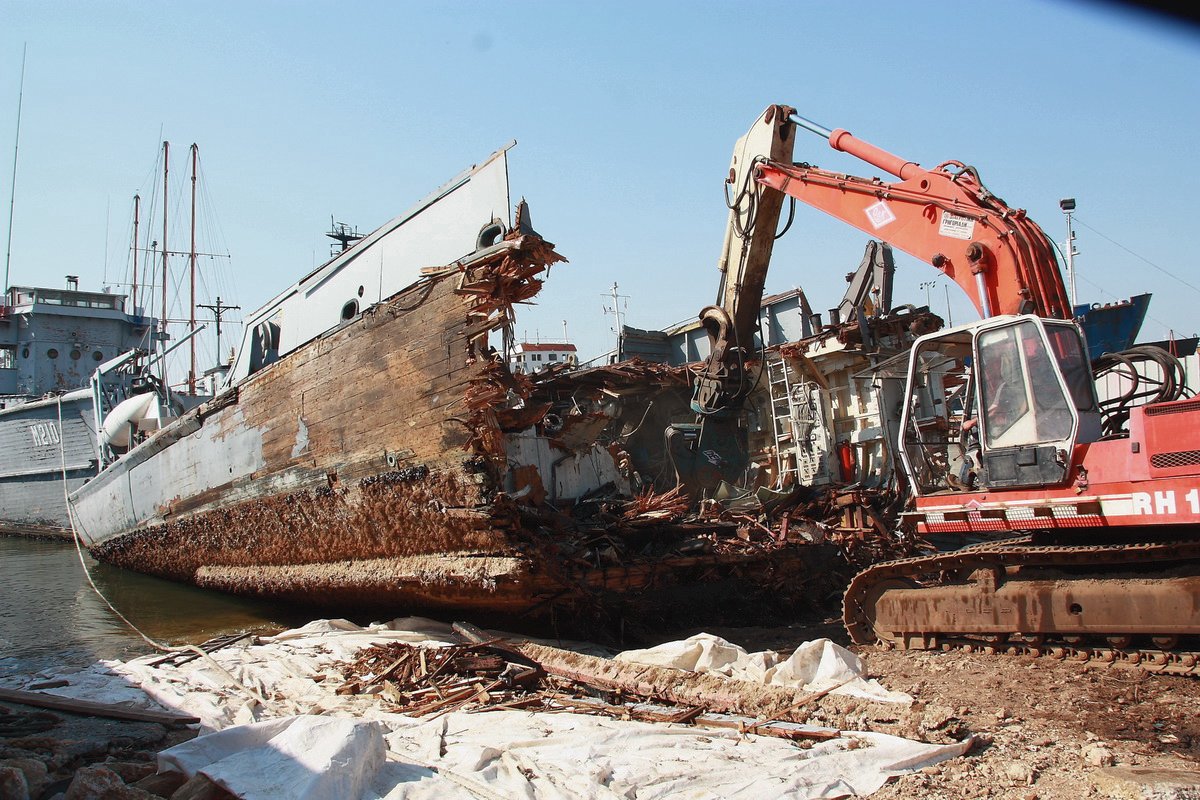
998,404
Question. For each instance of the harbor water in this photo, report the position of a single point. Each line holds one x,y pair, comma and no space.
52,620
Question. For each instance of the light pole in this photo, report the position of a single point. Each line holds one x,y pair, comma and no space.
1067,204
928,286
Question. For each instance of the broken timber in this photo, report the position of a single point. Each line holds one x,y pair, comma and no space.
93,709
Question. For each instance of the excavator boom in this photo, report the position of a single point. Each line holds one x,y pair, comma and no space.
945,216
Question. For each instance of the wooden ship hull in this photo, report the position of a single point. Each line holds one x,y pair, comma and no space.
395,460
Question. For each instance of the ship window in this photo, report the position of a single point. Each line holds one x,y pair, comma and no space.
97,355
25,353
489,235
8,357
52,353
349,310
75,354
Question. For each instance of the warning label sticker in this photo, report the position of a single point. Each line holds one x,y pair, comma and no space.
956,227
880,215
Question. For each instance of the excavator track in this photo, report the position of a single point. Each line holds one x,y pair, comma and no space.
1127,603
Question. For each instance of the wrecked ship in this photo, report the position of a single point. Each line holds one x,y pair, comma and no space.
373,447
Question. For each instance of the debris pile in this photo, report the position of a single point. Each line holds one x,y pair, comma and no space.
491,675
423,681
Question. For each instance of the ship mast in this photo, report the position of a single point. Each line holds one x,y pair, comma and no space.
12,198
192,271
163,328
166,158
137,211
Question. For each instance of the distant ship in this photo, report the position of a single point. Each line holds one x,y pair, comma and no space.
1112,327
51,341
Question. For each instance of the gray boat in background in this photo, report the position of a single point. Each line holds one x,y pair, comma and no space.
51,341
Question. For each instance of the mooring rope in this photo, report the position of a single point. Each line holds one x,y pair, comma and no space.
161,647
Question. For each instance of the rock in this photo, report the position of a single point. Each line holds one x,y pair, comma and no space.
1097,755
34,771
200,788
1144,783
936,717
12,784
163,784
132,771
100,783
1019,774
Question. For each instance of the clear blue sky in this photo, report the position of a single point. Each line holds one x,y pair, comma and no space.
625,115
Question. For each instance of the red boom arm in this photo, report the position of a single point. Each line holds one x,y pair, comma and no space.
945,217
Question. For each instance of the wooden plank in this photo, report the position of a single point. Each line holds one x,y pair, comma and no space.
93,709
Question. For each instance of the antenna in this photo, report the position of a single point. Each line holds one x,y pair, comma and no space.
616,311
218,311
343,234
12,198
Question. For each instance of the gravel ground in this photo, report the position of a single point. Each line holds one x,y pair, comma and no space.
1046,730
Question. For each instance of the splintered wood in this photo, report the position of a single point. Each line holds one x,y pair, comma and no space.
419,681
491,675
650,508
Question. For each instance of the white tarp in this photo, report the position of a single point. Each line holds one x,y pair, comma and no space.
295,757
321,745
814,666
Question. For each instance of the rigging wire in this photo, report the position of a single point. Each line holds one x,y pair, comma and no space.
1164,271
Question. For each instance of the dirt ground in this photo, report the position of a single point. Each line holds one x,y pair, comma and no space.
1045,729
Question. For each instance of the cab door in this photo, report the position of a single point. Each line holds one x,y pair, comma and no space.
1028,418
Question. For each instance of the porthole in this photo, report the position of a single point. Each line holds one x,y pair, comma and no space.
360,291
25,353
97,355
52,353
349,310
75,354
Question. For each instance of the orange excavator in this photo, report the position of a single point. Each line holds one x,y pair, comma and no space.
1088,511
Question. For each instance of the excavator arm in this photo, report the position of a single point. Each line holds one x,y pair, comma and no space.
945,216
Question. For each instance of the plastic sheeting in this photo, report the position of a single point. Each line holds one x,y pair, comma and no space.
295,757
272,730
515,754
814,666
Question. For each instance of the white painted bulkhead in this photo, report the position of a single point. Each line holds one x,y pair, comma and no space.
441,228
